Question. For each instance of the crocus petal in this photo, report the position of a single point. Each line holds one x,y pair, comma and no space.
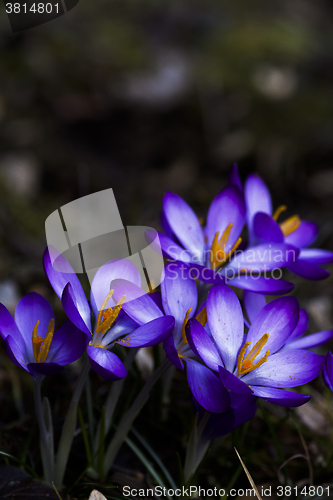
310,341
206,275
287,368
157,298
149,334
302,325
184,223
100,286
220,424
32,308
179,293
262,284
308,270
202,345
138,305
225,320
172,353
8,327
316,255
59,280
106,363
280,397
15,353
233,383
166,227
244,407
278,318
207,389
328,371
68,344
234,178
44,368
227,207
172,250
69,305
257,199
253,303
304,235
266,229
264,257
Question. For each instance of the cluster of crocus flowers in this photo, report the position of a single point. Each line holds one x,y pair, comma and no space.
233,351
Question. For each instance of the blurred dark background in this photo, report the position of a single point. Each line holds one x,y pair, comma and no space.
145,97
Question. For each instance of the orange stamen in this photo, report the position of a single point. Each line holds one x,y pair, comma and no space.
245,365
184,325
105,316
40,345
290,225
217,250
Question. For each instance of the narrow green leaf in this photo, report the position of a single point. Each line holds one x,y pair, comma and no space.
85,437
155,457
146,463
100,461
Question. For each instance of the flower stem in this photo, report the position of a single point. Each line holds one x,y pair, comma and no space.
46,438
67,433
129,417
112,399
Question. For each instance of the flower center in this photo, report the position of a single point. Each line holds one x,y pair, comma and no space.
40,345
106,317
245,365
289,225
218,256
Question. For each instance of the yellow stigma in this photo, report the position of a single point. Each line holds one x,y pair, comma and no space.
245,365
184,324
202,316
278,211
41,346
218,256
290,225
105,316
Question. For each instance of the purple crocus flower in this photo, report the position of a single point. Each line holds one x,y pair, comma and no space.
110,322
254,302
263,369
178,299
215,253
264,228
328,370
32,343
